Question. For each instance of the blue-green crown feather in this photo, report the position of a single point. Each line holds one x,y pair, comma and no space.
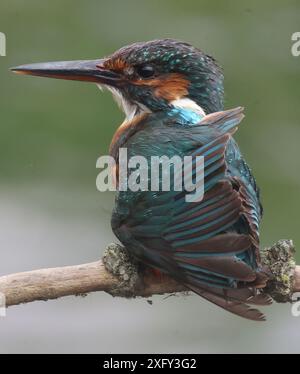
173,56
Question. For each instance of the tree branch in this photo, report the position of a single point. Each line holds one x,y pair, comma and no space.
119,275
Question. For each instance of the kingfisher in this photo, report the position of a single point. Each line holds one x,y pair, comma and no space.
172,96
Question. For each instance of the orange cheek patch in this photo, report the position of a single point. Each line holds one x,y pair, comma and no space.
171,87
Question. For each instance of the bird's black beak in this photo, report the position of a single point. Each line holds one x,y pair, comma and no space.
88,71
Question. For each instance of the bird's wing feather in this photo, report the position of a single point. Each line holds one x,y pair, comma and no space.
211,245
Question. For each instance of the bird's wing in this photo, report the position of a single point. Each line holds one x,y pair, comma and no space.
211,246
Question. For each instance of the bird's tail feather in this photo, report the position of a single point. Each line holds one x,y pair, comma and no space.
235,300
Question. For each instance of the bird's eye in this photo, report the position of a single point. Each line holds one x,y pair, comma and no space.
145,71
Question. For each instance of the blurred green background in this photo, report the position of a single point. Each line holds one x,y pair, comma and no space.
52,132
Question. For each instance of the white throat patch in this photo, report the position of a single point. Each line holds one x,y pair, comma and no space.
130,110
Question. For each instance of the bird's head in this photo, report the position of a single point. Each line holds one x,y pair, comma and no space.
148,76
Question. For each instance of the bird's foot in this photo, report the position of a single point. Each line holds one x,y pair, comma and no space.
157,274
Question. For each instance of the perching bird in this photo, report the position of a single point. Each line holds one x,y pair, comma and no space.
172,95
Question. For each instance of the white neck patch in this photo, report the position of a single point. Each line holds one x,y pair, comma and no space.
187,103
